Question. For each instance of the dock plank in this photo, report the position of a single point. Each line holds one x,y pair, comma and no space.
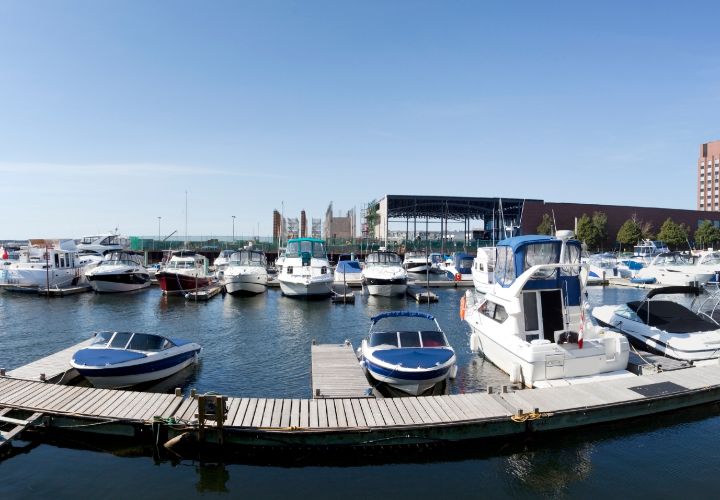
295,413
314,420
242,410
409,413
249,413
304,414
397,415
285,415
336,372
259,412
340,413
349,413
267,415
322,413
332,420
363,415
387,417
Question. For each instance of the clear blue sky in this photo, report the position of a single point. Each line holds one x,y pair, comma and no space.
111,110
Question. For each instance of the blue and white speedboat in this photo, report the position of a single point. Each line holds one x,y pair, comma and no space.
412,357
124,359
348,271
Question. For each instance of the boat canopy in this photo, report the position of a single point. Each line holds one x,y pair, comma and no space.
516,255
348,266
298,247
402,314
463,262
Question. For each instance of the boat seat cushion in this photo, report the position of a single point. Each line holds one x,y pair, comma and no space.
670,316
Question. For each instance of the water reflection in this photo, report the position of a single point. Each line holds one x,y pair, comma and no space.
550,470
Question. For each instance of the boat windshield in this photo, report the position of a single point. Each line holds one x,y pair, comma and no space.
148,342
712,258
383,259
101,338
539,254
297,248
433,339
120,340
246,258
389,339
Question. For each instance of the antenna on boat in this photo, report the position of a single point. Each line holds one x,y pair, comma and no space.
186,232
554,221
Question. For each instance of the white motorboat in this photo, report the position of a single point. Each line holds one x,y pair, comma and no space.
47,264
461,267
124,359
483,269
647,249
185,272
119,271
709,262
305,269
221,262
531,323
102,244
674,268
384,274
413,356
665,327
246,273
601,267
348,271
415,262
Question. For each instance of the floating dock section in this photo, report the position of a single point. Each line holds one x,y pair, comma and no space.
336,372
338,417
421,295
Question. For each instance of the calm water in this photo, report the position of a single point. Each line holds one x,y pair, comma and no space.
260,346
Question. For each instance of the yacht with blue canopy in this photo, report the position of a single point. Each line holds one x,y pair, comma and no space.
408,351
532,321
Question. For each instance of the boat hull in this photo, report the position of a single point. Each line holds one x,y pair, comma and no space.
245,286
412,383
117,283
306,288
130,374
180,284
385,287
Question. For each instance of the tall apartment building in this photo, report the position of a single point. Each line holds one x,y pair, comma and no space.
709,177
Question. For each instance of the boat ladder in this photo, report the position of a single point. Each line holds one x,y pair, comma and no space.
20,425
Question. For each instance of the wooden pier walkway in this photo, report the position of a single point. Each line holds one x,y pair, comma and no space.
336,372
421,295
52,368
342,412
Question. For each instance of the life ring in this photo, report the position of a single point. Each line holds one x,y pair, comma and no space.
458,276
462,308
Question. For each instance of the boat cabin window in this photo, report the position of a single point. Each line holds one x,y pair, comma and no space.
145,342
493,311
102,338
120,340
384,338
433,339
505,265
409,339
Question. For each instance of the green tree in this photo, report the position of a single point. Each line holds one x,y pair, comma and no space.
586,232
629,233
707,234
673,234
599,221
546,225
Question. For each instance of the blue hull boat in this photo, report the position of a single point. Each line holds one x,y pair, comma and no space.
124,359
412,359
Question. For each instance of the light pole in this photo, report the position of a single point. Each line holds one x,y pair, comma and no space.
159,237
233,236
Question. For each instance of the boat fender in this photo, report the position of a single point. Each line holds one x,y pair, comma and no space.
515,374
453,372
458,276
463,302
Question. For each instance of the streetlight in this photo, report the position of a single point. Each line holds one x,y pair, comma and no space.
233,230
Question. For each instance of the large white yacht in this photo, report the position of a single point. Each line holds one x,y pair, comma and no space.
674,268
384,275
532,324
119,271
102,244
305,270
46,264
246,273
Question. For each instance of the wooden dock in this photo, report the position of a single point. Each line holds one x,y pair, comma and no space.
421,295
336,372
441,284
342,414
204,294
62,292
53,368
